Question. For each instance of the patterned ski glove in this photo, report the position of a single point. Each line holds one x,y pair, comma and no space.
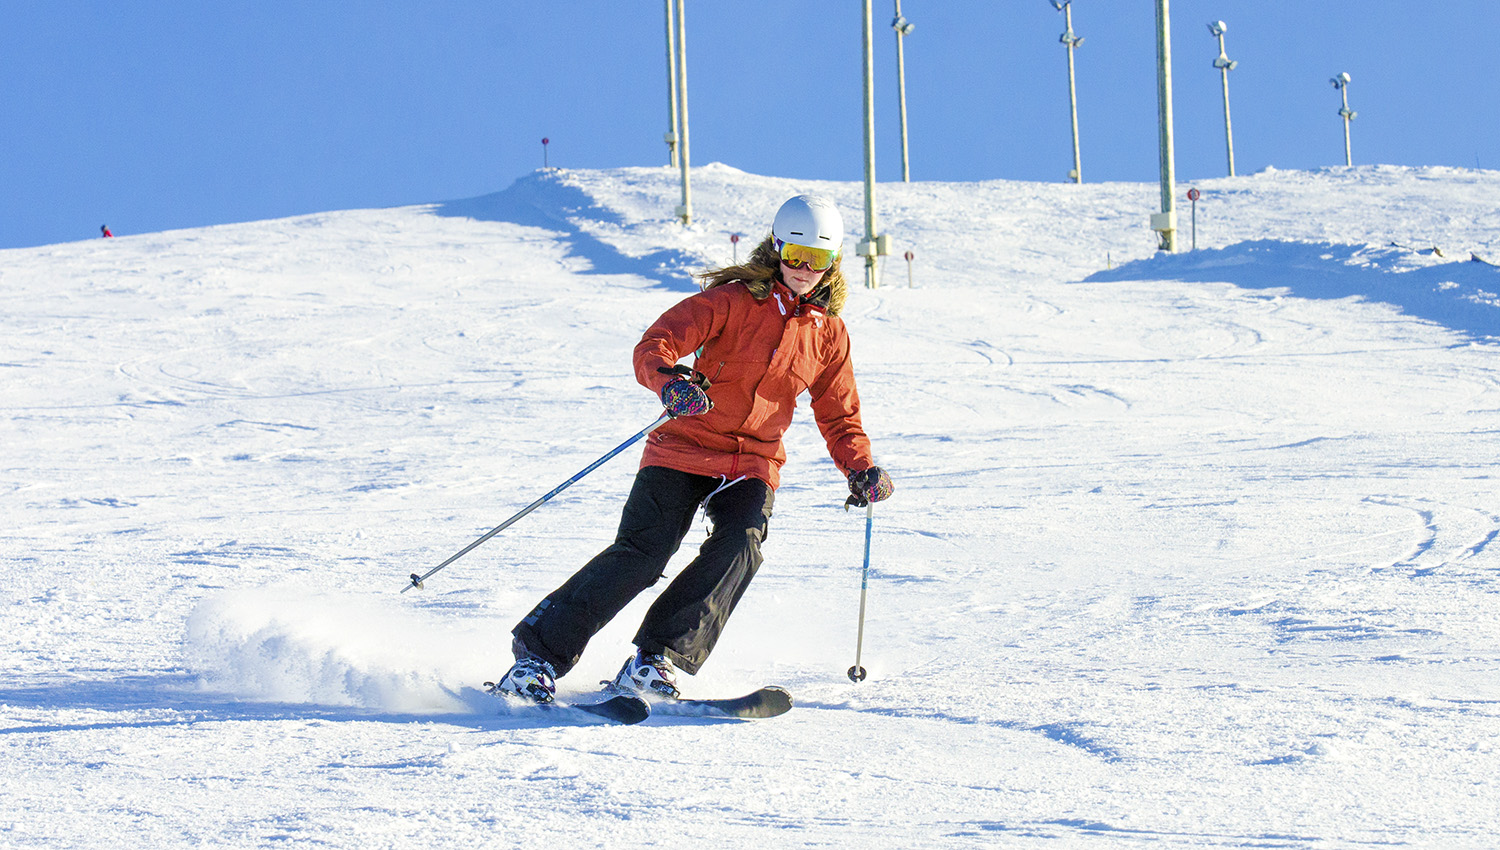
869,485
685,396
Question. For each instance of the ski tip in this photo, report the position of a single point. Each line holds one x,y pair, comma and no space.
770,701
778,700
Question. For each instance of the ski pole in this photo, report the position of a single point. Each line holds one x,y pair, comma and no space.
857,673
416,580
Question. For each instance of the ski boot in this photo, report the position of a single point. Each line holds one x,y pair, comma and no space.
647,674
531,679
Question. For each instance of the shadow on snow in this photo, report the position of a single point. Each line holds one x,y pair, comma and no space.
542,200
1460,295
185,703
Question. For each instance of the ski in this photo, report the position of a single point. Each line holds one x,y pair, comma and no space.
628,708
767,702
625,709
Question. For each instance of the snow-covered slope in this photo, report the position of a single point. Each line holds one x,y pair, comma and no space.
1186,550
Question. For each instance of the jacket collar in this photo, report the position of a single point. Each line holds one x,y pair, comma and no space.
814,303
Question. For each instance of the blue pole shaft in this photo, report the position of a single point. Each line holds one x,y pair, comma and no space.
864,583
417,581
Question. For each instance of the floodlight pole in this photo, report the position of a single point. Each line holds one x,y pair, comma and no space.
671,136
1165,222
685,211
1341,82
1071,41
903,28
873,245
1225,65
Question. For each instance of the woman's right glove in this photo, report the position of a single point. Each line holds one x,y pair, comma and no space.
686,395
869,485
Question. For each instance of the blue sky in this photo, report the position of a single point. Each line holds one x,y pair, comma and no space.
154,115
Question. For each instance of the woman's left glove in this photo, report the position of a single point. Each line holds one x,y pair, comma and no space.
869,485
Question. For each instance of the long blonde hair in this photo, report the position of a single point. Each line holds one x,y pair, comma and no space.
763,268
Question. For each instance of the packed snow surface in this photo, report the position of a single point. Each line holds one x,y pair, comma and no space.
1186,550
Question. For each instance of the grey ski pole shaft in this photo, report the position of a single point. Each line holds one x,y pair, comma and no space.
417,580
857,673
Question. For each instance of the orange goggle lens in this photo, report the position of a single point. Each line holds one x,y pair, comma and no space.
803,257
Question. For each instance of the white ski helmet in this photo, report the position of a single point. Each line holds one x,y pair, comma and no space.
809,220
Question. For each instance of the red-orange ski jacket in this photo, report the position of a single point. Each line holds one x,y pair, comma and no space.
760,355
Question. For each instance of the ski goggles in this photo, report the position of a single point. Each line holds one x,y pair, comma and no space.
804,257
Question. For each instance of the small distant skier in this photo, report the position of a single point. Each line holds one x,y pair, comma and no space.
762,332
104,232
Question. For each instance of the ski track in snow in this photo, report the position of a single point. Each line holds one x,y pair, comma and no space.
1188,550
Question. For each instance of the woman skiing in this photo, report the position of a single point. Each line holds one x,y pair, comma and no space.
762,332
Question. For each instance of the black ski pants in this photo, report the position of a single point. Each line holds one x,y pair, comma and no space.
685,621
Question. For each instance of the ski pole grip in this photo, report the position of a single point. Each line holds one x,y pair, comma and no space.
687,373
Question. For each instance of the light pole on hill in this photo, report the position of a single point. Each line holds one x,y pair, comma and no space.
1165,222
685,211
1225,65
671,135
873,245
1071,41
1341,82
903,28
